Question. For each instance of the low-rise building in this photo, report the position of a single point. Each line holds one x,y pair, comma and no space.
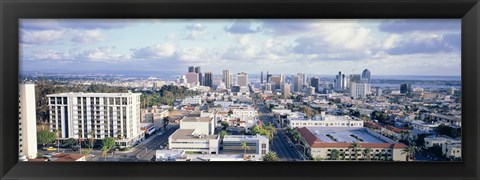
453,150
325,121
440,141
191,141
223,104
192,100
257,144
202,125
336,144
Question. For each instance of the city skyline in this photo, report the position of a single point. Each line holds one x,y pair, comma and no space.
386,47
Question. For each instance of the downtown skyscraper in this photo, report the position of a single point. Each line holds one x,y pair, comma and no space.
227,79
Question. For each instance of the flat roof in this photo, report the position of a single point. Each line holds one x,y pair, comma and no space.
189,134
243,137
196,119
342,134
343,137
81,94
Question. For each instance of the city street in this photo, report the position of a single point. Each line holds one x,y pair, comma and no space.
146,150
284,148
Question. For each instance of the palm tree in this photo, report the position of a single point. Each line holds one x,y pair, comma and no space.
245,147
342,155
91,134
80,141
271,156
410,152
335,154
355,147
222,135
366,153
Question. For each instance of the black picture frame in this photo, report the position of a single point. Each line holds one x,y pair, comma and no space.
13,10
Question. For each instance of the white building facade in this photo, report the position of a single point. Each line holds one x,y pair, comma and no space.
325,121
192,100
83,115
27,144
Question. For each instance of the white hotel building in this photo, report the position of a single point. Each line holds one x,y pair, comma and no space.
325,121
27,142
117,115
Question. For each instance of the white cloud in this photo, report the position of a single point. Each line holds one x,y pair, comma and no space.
104,54
157,51
89,36
196,31
42,36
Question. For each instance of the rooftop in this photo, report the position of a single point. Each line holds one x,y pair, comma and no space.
341,137
190,134
81,94
196,119
243,137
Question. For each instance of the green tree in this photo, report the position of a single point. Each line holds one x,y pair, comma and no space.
245,147
271,156
334,154
355,146
70,142
410,152
222,135
108,142
225,125
366,153
45,137
166,121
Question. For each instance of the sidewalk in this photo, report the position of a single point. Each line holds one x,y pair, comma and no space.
150,138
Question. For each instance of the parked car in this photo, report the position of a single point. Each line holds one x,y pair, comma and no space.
75,148
51,149
49,155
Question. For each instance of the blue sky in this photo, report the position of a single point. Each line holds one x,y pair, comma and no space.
386,47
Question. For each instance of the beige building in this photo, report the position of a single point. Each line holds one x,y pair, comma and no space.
27,121
195,135
335,144
201,125
192,141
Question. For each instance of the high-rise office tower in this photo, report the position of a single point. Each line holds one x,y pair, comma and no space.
191,69
405,88
359,89
355,78
261,77
268,87
227,79
314,82
269,76
208,79
242,79
285,88
27,125
340,82
302,78
282,78
296,83
275,80
192,78
200,75
366,75
77,115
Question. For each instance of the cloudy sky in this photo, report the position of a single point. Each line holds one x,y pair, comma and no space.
386,47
